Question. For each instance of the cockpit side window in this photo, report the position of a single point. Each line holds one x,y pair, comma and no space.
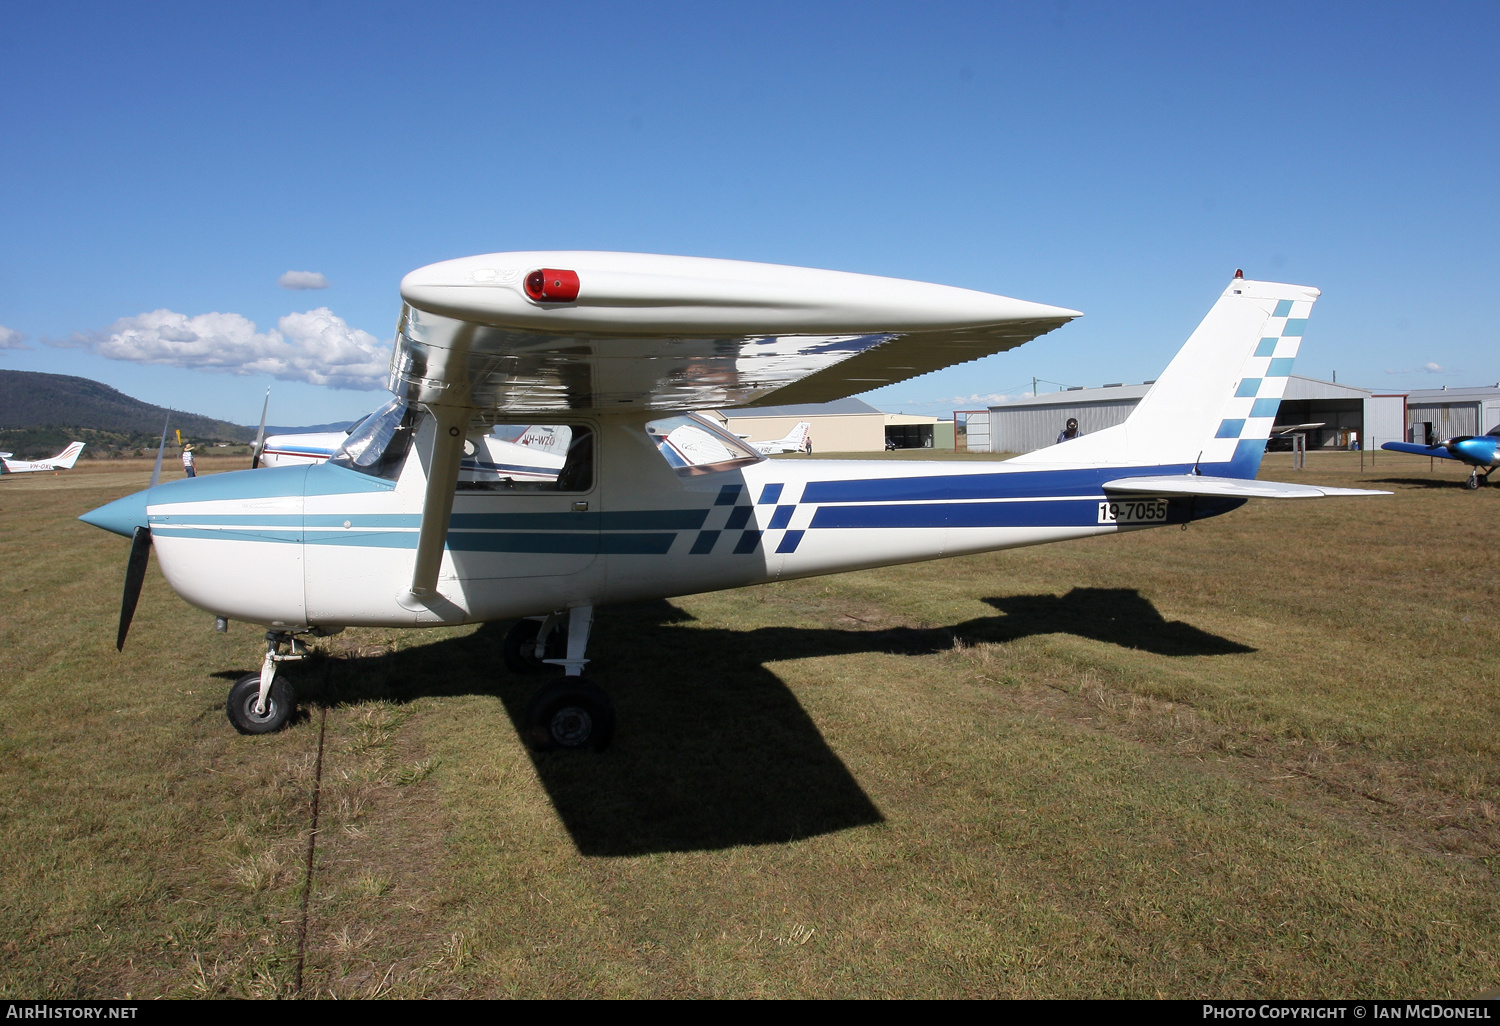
527,458
378,444
695,445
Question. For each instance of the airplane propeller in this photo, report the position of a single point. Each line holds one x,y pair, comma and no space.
135,576
140,554
260,436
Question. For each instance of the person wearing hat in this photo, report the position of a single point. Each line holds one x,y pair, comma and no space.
187,460
1071,431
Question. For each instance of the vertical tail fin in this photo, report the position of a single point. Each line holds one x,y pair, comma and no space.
1214,405
65,459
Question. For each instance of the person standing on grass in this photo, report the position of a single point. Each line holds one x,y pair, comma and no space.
1071,431
187,460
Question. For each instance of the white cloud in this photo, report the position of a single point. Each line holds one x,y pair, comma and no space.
1432,368
302,280
318,346
10,338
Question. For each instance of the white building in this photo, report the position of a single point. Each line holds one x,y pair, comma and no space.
1433,414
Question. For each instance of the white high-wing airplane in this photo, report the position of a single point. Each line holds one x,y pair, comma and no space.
614,352
796,440
62,461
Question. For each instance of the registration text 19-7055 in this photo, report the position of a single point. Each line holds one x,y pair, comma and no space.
1133,511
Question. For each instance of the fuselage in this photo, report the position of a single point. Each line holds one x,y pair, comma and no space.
324,545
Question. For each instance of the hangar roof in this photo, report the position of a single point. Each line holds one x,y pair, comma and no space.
1104,394
1468,394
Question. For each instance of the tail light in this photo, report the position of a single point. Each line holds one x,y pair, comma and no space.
550,285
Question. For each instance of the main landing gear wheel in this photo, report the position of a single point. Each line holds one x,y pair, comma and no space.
569,714
519,647
243,697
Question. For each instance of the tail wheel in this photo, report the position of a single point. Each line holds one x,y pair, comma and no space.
281,702
569,714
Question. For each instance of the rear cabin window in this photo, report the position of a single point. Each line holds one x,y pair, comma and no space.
527,458
695,445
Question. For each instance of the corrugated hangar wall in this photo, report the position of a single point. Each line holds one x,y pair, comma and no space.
1024,428
1346,414
1034,423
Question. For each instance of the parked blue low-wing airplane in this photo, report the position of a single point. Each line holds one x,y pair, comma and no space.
1482,452
605,357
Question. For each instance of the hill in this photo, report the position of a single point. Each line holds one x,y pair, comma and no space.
39,413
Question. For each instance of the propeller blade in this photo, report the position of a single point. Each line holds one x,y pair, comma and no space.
260,436
135,576
156,474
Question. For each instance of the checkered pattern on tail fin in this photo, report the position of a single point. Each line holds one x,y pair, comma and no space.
1245,424
1215,403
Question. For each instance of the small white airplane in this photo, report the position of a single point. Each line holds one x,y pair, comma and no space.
799,439
62,461
613,353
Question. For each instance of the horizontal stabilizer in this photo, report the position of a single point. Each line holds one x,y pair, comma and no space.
1417,449
1226,488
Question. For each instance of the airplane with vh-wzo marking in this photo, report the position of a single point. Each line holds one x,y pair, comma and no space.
62,461
611,354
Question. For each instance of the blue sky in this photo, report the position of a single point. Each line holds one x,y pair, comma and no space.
1120,159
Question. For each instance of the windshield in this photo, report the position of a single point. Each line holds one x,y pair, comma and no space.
378,444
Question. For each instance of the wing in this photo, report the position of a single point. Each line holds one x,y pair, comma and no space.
684,332
1416,449
550,331
1225,488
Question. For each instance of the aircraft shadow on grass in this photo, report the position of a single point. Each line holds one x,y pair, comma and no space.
1422,482
712,749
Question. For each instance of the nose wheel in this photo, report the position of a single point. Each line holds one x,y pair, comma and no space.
249,715
263,703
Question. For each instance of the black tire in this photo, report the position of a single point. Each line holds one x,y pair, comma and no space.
280,704
519,647
569,715
1473,482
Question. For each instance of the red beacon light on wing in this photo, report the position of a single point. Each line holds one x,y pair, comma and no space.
550,285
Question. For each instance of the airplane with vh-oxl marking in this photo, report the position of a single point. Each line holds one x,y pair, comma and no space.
62,461
408,524
1482,452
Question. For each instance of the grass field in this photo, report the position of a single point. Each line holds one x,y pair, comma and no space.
1254,758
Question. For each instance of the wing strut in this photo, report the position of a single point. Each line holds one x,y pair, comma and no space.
450,382
437,504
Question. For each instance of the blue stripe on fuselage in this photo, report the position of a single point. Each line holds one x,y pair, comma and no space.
1025,484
